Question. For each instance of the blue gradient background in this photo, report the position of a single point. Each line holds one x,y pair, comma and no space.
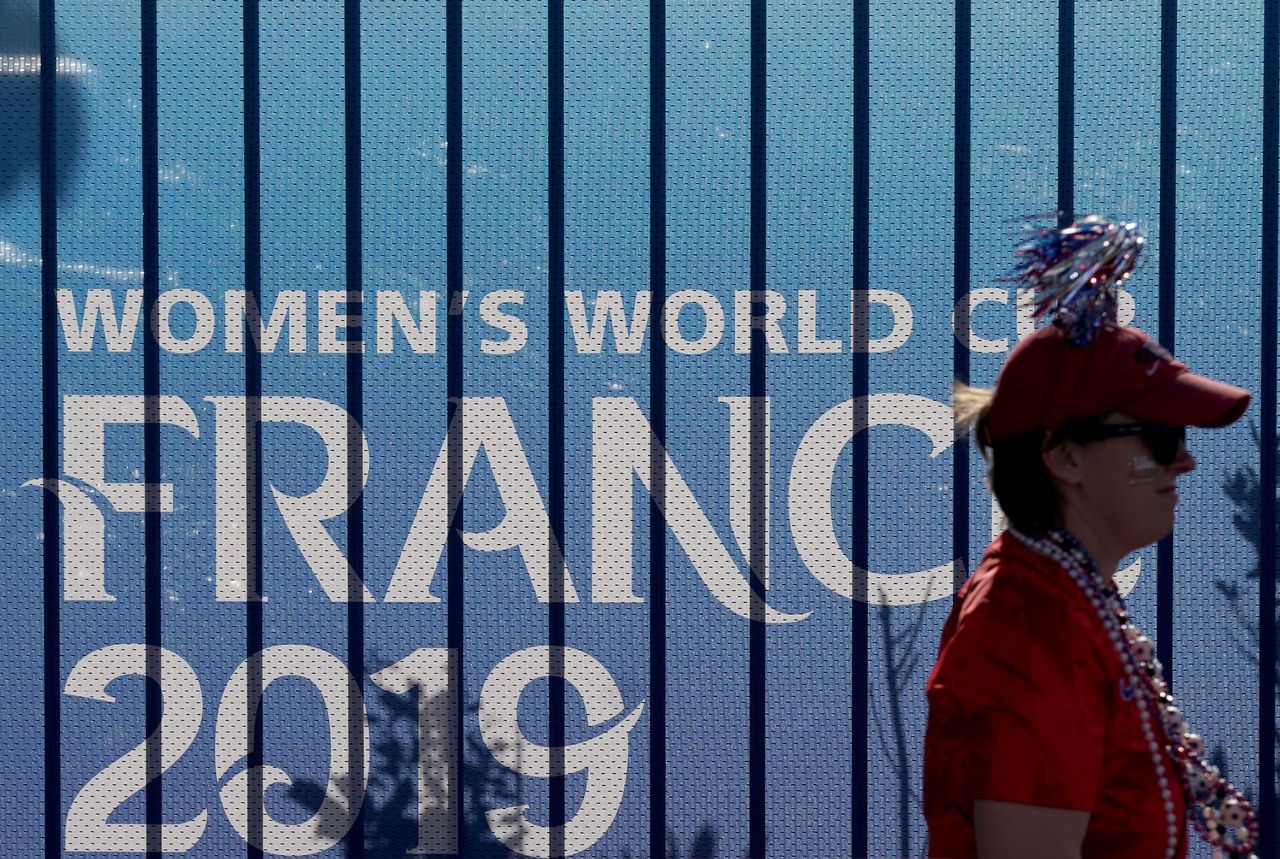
810,220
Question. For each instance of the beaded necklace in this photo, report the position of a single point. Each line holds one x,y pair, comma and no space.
1217,809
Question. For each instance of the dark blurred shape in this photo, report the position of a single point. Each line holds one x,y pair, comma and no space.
1243,487
20,100
391,823
902,651
704,844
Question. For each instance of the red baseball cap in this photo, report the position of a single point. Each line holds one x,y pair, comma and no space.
1046,383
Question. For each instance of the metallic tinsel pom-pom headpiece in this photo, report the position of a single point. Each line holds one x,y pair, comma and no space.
1075,271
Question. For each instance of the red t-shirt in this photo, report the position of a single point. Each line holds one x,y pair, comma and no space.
1026,706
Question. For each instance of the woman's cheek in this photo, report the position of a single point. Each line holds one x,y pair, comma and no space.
1143,470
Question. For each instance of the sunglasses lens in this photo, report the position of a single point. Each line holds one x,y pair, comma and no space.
1164,441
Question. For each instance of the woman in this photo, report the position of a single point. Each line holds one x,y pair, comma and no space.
1051,734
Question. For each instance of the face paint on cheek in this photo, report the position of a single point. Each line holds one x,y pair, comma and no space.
1142,469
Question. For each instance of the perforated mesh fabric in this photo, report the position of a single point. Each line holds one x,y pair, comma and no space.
1215,607
499,701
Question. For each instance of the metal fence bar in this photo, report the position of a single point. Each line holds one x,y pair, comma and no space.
453,394
253,425
151,523
658,419
51,512
960,288
1167,291
1266,805
1066,110
556,416
859,447
354,839
757,746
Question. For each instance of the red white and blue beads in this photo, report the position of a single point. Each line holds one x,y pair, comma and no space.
1217,810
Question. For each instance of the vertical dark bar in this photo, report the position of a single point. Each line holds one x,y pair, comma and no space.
354,839
253,423
658,441
151,524
859,449
1066,110
52,514
759,440
555,410
453,388
1267,845
1168,289
960,289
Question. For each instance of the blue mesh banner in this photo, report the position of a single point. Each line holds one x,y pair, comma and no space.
476,471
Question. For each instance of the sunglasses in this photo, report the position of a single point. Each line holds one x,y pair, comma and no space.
1164,440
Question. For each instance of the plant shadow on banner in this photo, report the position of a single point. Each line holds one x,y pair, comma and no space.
391,803
903,650
1243,488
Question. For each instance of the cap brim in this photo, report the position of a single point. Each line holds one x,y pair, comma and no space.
1189,399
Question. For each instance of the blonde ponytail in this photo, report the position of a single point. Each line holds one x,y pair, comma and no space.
972,405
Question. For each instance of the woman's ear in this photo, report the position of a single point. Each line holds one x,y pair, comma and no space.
1062,460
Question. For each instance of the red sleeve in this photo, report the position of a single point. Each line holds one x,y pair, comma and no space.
1023,679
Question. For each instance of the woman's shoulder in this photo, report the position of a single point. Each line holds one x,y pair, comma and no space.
1019,615
1014,576
1020,605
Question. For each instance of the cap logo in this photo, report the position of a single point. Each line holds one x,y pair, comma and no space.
1150,355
